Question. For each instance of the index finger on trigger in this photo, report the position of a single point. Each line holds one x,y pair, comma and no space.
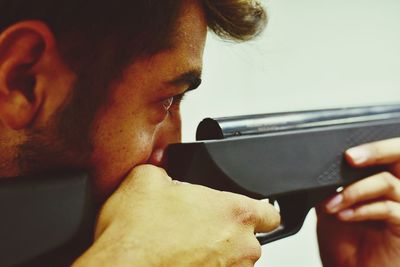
268,217
375,153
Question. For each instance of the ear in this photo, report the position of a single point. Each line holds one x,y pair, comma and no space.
24,56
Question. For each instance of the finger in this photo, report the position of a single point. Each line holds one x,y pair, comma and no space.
388,211
382,185
258,215
268,217
376,153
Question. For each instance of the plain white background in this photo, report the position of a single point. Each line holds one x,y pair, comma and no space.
314,54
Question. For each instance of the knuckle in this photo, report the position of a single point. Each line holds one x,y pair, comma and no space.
151,171
248,218
350,193
254,251
250,249
359,213
375,151
244,215
138,173
146,169
390,181
144,177
388,208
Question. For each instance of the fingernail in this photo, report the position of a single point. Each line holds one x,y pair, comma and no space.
359,155
334,203
346,214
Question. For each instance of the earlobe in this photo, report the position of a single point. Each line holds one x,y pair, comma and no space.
22,48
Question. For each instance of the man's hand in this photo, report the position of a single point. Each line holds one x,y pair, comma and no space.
154,221
361,225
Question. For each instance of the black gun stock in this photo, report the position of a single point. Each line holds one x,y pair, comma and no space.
293,158
46,220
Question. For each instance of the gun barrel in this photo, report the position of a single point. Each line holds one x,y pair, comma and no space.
227,127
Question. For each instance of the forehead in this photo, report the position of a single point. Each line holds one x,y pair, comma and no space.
191,29
192,20
148,75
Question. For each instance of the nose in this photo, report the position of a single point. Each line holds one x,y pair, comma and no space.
168,132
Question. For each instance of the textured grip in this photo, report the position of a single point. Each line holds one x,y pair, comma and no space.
357,137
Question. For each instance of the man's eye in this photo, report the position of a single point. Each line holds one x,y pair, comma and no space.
172,101
167,103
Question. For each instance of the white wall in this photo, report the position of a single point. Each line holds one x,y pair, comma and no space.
314,54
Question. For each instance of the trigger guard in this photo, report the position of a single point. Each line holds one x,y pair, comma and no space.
294,209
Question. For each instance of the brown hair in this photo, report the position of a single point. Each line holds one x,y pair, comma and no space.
238,20
85,27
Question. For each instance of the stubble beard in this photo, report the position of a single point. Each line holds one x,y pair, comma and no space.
64,144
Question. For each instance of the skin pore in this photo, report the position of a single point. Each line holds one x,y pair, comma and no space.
141,116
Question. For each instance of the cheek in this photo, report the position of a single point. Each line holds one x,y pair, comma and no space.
118,147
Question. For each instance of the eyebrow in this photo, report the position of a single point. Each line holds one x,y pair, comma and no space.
191,78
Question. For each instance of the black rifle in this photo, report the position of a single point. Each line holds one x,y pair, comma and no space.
294,158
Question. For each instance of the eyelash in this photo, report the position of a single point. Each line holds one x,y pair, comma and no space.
172,101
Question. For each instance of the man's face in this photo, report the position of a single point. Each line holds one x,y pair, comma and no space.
142,114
